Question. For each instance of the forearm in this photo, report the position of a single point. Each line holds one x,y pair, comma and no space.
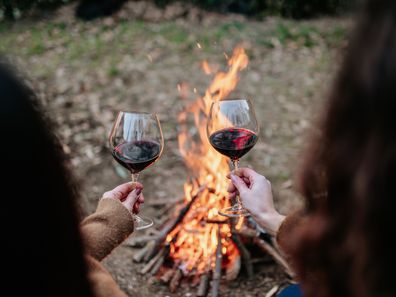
105,229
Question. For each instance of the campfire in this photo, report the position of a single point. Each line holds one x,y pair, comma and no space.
196,242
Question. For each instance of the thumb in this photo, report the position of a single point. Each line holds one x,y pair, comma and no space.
238,183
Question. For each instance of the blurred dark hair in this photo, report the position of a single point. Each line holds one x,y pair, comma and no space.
41,243
347,248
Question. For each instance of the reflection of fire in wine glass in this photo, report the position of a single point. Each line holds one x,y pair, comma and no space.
233,130
137,142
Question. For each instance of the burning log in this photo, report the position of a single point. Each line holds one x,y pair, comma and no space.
233,268
203,285
175,281
171,225
217,270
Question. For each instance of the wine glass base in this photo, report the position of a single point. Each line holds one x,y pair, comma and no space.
235,211
142,222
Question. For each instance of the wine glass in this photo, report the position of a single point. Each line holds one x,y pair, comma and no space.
233,130
137,142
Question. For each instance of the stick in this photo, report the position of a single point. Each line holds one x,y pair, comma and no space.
160,261
275,254
139,241
171,225
139,255
246,259
272,292
174,283
203,285
166,277
217,271
153,261
233,268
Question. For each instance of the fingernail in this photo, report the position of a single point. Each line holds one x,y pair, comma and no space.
138,191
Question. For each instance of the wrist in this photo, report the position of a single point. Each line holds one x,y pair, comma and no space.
270,221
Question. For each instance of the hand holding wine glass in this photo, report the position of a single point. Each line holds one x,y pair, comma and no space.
233,131
136,141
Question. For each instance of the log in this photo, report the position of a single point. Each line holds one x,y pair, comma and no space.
217,270
245,255
175,281
266,247
160,261
203,285
153,261
167,276
233,268
139,241
139,255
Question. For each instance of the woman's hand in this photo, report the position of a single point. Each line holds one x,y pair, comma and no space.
256,196
129,194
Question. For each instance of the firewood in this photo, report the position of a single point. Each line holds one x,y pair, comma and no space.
167,276
233,268
160,261
139,241
245,255
153,261
203,285
266,247
171,225
175,281
217,270
139,255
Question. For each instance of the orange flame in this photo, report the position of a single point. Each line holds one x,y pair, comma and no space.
193,243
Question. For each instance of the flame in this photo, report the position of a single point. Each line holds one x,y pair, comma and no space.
193,242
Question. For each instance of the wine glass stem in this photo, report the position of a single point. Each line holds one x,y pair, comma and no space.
134,177
235,164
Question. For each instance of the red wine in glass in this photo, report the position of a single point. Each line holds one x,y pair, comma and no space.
233,142
136,142
137,155
232,130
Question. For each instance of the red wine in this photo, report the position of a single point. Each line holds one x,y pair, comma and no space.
233,142
136,155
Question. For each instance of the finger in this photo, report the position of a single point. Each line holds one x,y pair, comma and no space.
137,185
231,188
119,192
136,208
238,183
141,198
132,198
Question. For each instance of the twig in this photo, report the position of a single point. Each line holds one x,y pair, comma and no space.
272,292
217,270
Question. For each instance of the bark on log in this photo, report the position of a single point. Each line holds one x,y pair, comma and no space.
217,270
203,285
174,283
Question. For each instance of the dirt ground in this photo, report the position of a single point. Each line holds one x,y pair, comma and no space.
85,72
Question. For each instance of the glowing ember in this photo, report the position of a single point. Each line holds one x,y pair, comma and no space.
193,242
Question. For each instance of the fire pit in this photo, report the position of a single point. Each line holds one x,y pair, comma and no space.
196,242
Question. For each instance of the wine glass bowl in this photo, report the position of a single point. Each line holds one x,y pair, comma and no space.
136,142
232,130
